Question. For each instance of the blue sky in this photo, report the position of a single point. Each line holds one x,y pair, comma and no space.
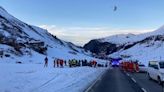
60,16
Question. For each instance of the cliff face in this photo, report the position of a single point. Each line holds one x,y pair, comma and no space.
97,47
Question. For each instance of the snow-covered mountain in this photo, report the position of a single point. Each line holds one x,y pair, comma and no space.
18,39
142,47
130,38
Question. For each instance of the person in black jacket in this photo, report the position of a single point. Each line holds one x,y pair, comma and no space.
46,62
55,62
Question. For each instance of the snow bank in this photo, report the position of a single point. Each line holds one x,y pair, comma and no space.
36,78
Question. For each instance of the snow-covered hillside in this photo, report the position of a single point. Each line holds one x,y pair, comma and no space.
19,40
29,45
121,39
151,48
146,47
143,47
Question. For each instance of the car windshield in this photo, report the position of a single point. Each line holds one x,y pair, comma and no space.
161,64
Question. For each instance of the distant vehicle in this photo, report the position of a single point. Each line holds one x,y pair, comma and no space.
156,71
115,62
142,68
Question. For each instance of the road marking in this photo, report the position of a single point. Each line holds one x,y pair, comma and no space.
134,80
143,90
127,74
89,89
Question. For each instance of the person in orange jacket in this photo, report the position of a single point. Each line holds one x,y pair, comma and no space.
94,63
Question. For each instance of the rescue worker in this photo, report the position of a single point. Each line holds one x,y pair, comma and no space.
85,62
135,65
57,62
131,68
54,62
73,61
94,63
65,62
46,62
61,62
1,54
69,63
79,62
106,64
82,62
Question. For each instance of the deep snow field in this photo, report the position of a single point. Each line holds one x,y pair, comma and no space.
36,78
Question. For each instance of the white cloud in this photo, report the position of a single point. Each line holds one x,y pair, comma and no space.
81,35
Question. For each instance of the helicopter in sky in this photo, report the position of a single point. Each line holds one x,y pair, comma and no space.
115,8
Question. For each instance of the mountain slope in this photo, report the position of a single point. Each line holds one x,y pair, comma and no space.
142,47
18,39
130,38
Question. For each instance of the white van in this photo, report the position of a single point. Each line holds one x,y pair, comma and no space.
156,71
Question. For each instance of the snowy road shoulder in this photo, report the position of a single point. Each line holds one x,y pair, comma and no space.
33,77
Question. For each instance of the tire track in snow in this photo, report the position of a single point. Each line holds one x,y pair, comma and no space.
44,84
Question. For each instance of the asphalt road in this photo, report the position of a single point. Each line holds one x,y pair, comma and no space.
115,81
144,82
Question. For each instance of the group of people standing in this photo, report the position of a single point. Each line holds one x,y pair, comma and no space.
75,63
59,63
56,63
72,63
